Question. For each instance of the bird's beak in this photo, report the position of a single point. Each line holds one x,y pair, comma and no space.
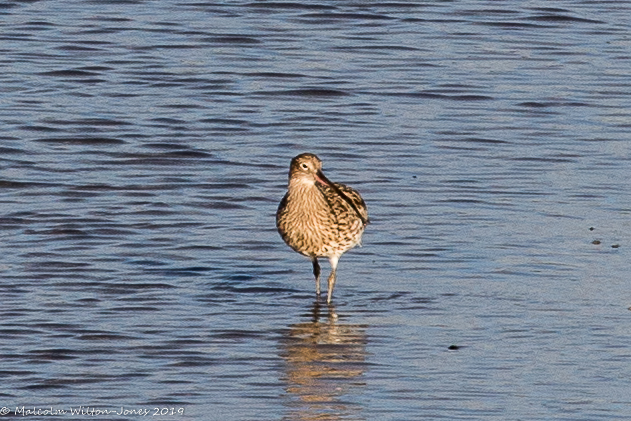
322,179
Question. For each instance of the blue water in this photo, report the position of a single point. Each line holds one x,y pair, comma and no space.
144,150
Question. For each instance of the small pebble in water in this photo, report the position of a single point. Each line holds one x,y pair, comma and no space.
591,228
596,242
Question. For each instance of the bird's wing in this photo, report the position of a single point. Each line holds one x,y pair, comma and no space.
356,200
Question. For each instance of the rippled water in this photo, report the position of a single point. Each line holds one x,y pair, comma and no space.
144,149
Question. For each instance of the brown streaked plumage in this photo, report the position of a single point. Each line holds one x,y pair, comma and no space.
319,218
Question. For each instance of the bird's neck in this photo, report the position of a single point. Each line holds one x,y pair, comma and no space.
304,194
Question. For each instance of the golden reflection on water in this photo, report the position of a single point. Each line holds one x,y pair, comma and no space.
324,364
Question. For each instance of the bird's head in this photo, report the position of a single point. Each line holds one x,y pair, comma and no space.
306,168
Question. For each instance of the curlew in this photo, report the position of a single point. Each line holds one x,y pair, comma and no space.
318,218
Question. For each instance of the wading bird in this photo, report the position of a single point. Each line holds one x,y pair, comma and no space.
318,218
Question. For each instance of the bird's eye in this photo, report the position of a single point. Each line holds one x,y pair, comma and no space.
304,166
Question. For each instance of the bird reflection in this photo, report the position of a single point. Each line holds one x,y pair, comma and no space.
324,364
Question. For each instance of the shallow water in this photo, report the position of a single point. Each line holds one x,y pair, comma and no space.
144,150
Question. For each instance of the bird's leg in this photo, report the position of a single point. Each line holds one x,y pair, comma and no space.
333,260
316,273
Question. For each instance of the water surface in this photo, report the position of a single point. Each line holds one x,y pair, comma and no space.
144,150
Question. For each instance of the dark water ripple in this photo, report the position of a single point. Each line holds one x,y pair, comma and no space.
144,151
